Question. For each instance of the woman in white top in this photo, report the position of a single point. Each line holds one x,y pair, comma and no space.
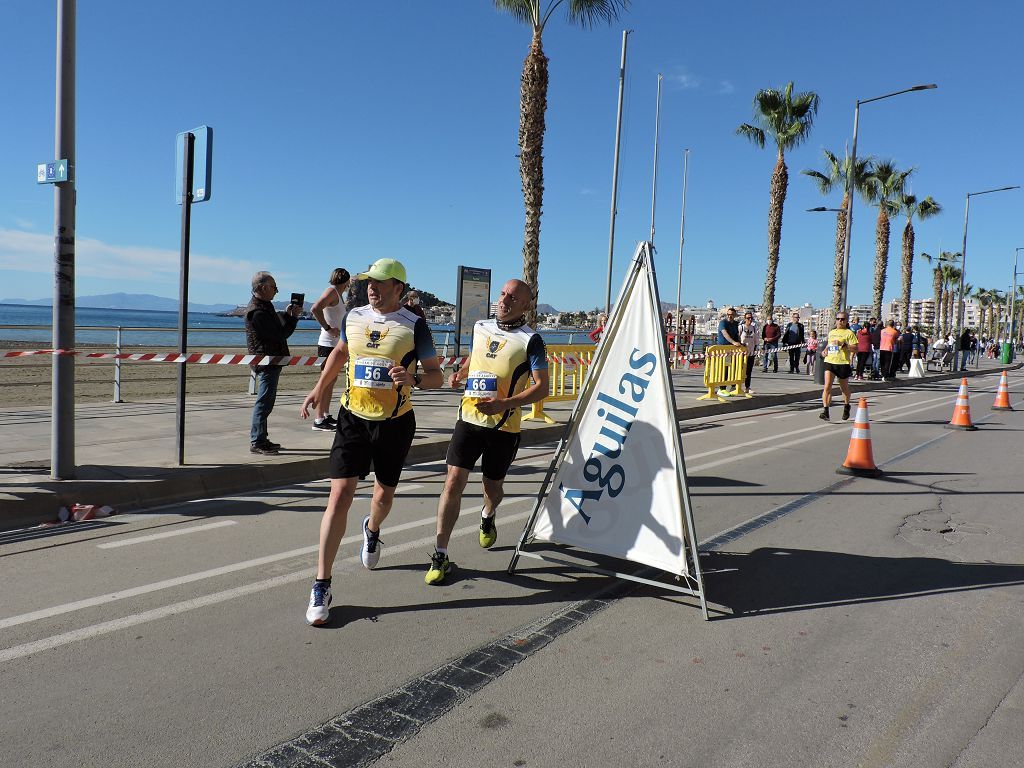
750,333
329,311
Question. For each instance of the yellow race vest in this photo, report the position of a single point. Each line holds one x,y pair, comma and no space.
499,367
377,342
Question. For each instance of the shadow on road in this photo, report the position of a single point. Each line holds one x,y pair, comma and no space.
777,580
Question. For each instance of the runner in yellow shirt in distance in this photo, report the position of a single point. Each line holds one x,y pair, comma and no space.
838,351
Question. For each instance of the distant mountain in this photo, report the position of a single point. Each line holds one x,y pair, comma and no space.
546,309
127,301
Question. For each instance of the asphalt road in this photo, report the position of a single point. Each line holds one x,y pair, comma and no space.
855,621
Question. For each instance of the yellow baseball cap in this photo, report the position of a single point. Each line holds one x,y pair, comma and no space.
385,269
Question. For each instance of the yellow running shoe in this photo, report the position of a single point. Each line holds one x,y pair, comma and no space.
439,567
488,532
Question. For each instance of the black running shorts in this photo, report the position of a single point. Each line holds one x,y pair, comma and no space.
839,371
470,441
361,443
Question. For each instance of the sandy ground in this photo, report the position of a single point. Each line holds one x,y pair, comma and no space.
26,380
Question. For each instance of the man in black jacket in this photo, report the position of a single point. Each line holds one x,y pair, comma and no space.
793,335
266,333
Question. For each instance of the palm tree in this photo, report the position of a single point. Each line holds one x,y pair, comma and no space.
910,207
883,186
936,289
984,298
950,278
533,102
786,120
836,175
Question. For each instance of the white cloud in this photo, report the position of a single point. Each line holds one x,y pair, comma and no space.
22,251
683,78
725,87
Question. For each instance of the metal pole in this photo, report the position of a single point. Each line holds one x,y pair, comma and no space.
960,290
62,392
654,182
1013,298
117,368
186,223
615,177
679,276
850,191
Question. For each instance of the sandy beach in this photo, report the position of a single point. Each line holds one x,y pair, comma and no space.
26,380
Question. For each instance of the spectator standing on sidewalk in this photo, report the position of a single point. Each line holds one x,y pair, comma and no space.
729,333
838,353
888,350
771,333
811,355
748,337
266,333
329,310
876,349
595,335
412,303
965,348
863,351
793,337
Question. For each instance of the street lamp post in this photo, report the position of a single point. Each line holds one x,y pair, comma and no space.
850,182
819,370
1011,334
960,304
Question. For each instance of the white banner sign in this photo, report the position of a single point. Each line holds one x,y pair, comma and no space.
618,490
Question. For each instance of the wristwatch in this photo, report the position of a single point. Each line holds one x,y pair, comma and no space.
416,380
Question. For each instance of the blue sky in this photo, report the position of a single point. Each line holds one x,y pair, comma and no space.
349,131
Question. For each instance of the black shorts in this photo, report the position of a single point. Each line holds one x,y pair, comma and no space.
470,441
839,371
323,352
361,443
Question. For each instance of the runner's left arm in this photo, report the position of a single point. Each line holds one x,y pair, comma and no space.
426,353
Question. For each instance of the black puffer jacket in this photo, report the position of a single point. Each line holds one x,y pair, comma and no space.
266,329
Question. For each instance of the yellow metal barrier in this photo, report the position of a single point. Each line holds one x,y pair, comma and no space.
726,366
568,367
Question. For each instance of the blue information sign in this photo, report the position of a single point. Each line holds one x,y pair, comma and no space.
202,167
52,173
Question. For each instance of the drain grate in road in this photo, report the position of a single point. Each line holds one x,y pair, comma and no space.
362,735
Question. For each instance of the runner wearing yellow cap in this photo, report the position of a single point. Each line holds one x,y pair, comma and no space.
382,342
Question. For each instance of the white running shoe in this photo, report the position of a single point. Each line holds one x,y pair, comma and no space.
369,553
319,610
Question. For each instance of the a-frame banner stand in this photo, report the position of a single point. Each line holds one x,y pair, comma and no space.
617,483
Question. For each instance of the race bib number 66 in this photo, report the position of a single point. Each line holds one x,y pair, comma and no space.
481,384
372,372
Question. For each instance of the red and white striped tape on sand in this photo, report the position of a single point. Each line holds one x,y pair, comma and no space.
219,358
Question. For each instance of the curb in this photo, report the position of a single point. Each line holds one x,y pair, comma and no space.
182,484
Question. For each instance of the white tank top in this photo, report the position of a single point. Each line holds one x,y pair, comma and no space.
333,315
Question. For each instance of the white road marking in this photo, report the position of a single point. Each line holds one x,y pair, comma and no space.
177,581
165,534
822,431
815,428
106,627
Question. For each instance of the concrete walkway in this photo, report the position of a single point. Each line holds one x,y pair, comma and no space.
125,452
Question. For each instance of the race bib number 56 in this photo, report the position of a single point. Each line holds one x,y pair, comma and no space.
481,384
372,373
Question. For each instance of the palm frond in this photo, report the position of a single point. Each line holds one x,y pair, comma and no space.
751,132
523,11
589,13
824,183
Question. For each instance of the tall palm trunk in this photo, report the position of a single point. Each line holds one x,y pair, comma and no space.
907,270
881,260
948,314
533,105
780,182
937,290
837,274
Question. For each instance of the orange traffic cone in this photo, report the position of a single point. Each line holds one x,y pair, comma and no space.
1002,396
962,410
859,460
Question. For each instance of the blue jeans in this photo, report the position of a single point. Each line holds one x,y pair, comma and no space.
965,356
266,394
771,351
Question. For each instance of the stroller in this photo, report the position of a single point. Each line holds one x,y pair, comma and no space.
942,359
